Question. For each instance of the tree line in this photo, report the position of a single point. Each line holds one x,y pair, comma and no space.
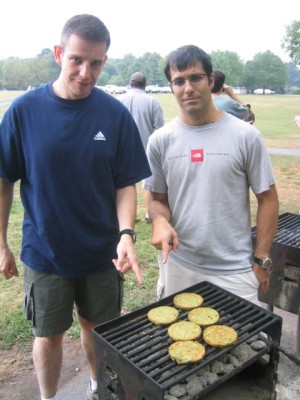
265,70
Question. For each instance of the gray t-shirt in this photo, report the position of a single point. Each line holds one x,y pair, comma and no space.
230,106
206,172
146,112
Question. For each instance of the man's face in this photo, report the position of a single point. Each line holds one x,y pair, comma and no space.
192,89
81,64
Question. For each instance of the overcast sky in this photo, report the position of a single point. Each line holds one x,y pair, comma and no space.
137,26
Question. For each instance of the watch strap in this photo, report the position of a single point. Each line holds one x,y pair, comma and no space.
257,260
263,263
128,232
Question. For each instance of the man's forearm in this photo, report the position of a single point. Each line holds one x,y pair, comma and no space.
6,199
159,208
266,221
126,202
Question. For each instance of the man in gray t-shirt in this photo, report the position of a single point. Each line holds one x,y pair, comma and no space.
203,163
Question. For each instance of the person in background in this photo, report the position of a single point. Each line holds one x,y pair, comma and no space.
78,154
146,112
229,103
203,163
297,120
250,117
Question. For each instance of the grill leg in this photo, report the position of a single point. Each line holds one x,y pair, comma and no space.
270,307
274,360
298,336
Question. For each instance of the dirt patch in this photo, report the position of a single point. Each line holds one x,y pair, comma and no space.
17,375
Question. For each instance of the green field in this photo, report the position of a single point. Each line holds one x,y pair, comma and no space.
274,117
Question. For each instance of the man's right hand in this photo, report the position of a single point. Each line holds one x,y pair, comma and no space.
164,237
8,266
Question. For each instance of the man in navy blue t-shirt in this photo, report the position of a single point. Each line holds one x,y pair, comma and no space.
78,154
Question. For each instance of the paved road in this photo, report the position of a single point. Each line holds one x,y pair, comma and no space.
285,152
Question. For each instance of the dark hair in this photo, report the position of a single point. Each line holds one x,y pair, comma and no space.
186,56
87,27
219,81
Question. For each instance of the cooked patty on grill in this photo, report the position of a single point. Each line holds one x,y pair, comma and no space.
187,301
163,315
204,316
186,352
220,336
184,330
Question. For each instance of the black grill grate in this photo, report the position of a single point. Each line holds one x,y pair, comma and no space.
288,230
144,347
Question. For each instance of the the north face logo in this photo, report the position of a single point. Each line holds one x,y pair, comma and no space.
197,155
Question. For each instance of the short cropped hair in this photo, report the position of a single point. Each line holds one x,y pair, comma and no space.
219,81
87,27
187,56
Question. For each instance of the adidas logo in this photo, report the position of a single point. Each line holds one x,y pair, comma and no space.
99,136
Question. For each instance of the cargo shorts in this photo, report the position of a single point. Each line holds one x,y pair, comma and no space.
49,299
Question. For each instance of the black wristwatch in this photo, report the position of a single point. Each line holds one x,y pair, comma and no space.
264,263
128,232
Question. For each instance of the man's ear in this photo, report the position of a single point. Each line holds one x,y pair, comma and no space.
58,54
212,80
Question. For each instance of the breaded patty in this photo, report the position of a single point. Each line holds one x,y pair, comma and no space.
187,301
184,330
204,316
163,315
186,352
220,336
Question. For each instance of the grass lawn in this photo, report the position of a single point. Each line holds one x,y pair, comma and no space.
274,117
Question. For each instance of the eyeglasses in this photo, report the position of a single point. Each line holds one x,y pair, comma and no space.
193,79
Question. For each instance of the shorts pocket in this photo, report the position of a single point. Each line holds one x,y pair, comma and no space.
121,289
254,279
28,303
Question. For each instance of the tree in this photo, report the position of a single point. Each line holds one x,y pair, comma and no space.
293,83
291,41
230,63
266,70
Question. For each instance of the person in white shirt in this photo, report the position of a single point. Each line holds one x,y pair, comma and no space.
146,112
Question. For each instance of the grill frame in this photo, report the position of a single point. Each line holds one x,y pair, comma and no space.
284,291
147,380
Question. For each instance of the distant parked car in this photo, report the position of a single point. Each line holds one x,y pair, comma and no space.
122,89
263,91
165,89
114,89
152,89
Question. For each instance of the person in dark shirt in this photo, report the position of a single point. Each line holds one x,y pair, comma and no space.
250,117
78,154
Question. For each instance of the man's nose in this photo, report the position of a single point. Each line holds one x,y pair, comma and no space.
188,86
84,70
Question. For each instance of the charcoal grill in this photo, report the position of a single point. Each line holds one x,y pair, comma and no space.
132,353
284,291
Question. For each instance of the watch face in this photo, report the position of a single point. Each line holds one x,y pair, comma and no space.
264,263
267,263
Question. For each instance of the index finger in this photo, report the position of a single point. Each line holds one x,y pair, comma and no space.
165,249
137,273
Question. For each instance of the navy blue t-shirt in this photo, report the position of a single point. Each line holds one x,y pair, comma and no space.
71,157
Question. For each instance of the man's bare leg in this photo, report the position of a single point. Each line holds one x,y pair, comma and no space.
47,358
87,343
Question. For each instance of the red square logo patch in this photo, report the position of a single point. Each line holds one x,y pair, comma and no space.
197,155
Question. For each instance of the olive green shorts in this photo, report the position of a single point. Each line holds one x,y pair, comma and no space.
49,299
